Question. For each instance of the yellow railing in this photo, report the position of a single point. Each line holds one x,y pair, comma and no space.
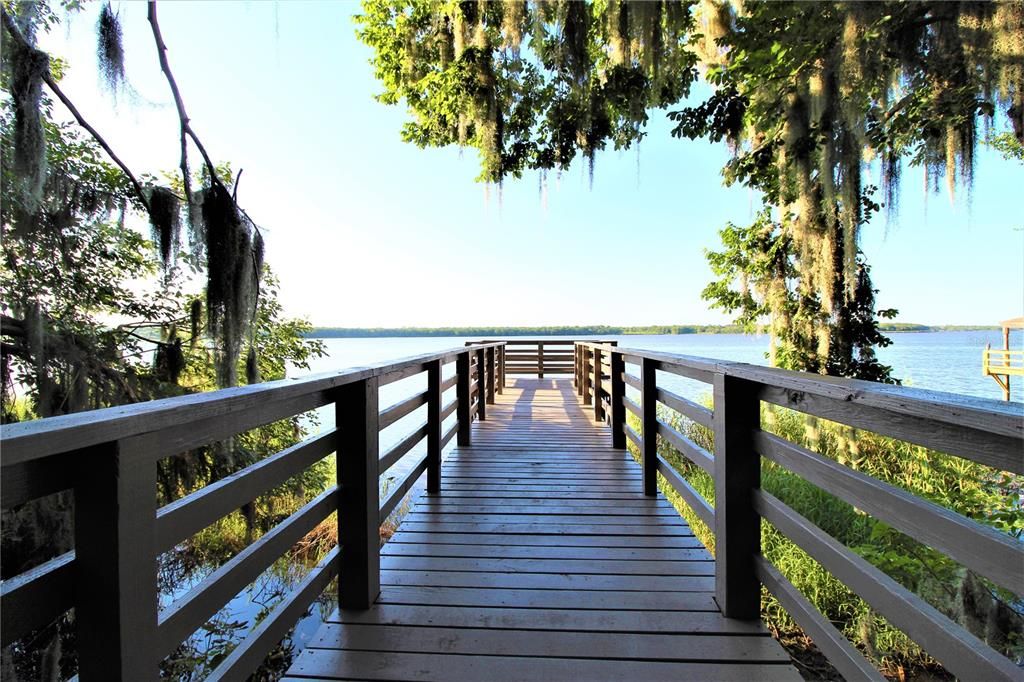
1005,362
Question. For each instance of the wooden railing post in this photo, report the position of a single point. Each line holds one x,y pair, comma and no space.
618,391
359,499
540,360
434,426
115,564
481,385
576,383
501,369
585,372
598,371
737,475
491,375
649,407
463,386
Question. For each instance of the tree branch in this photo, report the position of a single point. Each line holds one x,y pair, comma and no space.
15,34
179,103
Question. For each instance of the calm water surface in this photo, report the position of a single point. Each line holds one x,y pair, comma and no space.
941,361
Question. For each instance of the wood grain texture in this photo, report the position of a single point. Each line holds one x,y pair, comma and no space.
737,473
359,500
542,559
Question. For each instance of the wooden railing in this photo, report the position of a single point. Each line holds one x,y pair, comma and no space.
984,431
108,458
537,357
1001,361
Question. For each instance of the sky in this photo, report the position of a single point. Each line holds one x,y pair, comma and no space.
364,230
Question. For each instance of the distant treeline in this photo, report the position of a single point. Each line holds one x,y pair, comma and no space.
598,330
482,332
911,327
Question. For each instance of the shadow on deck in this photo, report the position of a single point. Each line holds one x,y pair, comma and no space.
542,559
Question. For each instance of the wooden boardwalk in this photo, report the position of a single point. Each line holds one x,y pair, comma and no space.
542,560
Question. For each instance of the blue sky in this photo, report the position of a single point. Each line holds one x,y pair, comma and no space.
365,230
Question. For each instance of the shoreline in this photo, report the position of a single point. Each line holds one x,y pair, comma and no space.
557,331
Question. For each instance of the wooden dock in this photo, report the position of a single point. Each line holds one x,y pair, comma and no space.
541,550
542,559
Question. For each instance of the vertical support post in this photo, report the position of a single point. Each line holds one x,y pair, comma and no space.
737,475
115,563
481,385
576,383
540,360
462,394
501,369
491,375
598,371
649,409
359,493
585,371
434,427
618,391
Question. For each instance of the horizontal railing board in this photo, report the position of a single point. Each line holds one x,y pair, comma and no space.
41,438
391,457
986,431
400,373
250,652
398,491
687,447
185,517
192,609
632,381
38,478
994,416
34,599
390,415
959,651
632,406
166,442
704,511
632,435
687,408
449,383
534,370
534,341
986,550
832,643
942,431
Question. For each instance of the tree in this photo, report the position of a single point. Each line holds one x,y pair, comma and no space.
94,314
219,228
805,94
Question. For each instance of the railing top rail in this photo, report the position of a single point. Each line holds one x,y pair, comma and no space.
542,339
898,411
39,438
888,396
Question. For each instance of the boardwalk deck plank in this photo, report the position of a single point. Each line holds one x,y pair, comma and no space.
541,559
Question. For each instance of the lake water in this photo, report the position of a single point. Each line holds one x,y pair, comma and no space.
942,361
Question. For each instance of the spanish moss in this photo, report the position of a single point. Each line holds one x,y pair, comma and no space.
165,223
252,367
109,49
27,67
231,279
